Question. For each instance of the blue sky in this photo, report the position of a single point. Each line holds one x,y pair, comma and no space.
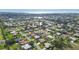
41,10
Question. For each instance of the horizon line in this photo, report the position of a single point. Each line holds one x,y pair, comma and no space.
39,11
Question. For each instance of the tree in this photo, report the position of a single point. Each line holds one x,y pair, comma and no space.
2,29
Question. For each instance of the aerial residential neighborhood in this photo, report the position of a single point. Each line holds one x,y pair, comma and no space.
48,31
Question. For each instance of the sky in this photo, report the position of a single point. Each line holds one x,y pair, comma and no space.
41,10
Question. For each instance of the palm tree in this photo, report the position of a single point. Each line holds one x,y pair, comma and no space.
2,29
